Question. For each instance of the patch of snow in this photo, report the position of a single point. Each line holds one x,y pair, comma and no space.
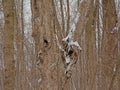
39,80
59,46
75,43
114,29
74,22
67,59
68,68
69,36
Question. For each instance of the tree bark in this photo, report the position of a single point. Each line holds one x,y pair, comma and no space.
10,72
109,46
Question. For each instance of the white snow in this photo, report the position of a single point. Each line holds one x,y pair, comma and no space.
67,59
68,68
39,80
59,46
69,38
75,43
114,29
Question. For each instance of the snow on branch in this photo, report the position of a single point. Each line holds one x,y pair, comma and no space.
67,47
67,44
69,39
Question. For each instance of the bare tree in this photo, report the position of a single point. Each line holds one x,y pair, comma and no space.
59,44
1,46
10,71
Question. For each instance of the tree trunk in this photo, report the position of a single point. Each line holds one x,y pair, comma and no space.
1,47
109,63
45,47
10,72
41,48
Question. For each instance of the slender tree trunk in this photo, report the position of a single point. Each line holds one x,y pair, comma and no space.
109,45
1,47
90,50
19,50
49,66
10,71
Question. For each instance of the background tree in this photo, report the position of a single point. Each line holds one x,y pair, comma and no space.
10,71
59,44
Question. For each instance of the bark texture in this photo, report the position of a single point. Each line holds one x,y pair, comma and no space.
41,41
10,72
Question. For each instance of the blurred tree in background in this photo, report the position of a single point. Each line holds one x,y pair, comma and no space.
59,44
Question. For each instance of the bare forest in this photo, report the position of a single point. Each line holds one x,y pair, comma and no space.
59,44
